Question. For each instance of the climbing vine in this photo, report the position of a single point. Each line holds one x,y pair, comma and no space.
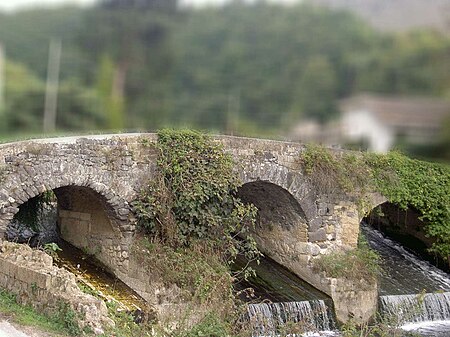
406,182
193,196
412,183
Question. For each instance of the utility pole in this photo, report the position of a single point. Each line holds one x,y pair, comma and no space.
2,78
51,91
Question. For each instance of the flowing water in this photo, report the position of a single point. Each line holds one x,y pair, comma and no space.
272,282
403,271
281,301
414,294
93,276
270,319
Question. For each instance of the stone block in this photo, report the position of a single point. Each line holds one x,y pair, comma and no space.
319,235
301,248
63,213
331,236
13,270
24,274
5,266
331,229
315,224
42,280
313,249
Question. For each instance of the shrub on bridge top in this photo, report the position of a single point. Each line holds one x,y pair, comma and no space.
193,196
336,171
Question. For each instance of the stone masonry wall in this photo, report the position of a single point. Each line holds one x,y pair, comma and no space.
30,275
77,229
114,167
117,167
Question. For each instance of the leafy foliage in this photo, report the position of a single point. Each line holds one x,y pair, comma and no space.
194,196
331,172
68,317
198,270
251,64
195,226
406,182
52,249
211,325
420,185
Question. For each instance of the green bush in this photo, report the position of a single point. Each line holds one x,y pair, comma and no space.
194,196
424,186
68,317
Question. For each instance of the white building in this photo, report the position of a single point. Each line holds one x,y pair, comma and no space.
380,122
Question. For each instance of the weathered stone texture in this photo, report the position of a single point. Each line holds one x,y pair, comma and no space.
96,179
114,167
30,275
356,301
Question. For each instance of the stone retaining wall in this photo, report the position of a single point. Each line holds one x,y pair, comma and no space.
30,275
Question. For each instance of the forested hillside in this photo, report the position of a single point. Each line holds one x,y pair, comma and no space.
247,68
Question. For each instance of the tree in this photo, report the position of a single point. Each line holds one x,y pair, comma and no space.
79,108
134,35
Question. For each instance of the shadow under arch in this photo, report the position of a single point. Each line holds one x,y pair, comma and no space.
405,227
281,231
276,206
86,219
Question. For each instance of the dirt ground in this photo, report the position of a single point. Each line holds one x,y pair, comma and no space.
9,328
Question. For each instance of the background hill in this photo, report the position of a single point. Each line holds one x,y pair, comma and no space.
398,15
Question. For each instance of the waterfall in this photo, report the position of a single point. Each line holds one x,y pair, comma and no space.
404,309
270,319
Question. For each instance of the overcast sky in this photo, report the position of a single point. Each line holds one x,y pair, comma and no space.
17,4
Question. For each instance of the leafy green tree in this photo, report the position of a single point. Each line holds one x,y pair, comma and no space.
134,34
261,51
78,107
24,96
26,35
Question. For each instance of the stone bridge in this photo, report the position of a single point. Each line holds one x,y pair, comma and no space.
96,179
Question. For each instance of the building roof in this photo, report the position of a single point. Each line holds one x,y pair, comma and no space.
401,112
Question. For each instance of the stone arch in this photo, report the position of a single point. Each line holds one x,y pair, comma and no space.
88,219
278,210
23,182
85,218
27,183
292,181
